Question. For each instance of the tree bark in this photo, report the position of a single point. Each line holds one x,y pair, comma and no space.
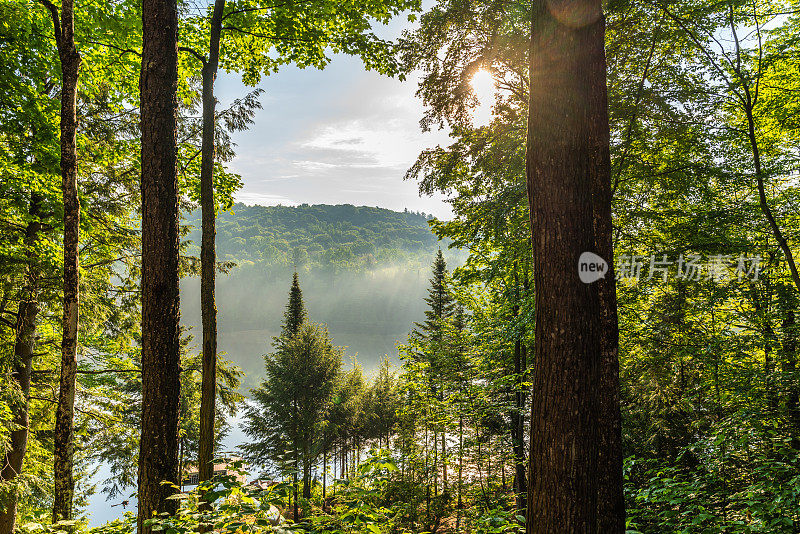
517,430
563,155
158,453
460,469
306,476
208,255
789,368
25,330
64,438
610,495
324,475
444,461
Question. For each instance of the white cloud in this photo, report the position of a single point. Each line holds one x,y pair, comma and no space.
263,199
338,136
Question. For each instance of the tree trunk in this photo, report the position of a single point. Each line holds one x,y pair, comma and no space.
564,151
610,496
208,255
158,453
307,468
25,330
517,424
789,368
295,483
444,461
435,443
460,469
64,439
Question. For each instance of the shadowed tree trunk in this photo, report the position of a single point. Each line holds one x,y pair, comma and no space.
324,475
306,469
789,368
208,255
610,496
564,151
158,453
25,329
460,503
64,436
517,430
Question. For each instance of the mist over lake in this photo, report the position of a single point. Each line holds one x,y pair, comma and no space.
364,273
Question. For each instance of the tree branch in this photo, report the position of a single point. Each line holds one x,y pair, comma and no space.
194,52
123,50
266,36
88,371
56,22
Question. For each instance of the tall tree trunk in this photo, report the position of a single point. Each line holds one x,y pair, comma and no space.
208,255
435,443
64,438
460,468
610,496
158,453
25,331
564,151
789,368
444,461
517,423
306,480
295,483
324,475
307,468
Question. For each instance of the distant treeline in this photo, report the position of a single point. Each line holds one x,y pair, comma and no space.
343,236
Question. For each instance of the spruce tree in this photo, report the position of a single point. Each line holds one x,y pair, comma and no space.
295,314
430,338
289,408
440,303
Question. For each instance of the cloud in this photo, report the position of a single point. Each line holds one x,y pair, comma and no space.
263,199
338,136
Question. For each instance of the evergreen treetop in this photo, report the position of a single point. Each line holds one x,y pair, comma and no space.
440,301
295,314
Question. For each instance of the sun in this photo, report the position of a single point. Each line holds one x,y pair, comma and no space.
484,86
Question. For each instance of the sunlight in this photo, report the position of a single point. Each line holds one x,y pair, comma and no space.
485,87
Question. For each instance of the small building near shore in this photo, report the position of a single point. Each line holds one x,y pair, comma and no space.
191,475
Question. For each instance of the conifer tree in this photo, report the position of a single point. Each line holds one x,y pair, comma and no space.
430,338
295,314
293,399
440,303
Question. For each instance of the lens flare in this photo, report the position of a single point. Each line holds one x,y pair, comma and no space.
484,86
575,13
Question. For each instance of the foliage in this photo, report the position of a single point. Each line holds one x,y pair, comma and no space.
327,236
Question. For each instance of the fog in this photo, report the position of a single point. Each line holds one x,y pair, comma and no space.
369,312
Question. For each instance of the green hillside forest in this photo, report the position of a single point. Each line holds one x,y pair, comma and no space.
597,333
364,271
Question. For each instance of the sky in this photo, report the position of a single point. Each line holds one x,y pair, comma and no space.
341,135
334,136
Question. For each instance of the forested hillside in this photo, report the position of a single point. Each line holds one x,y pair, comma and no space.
334,237
364,270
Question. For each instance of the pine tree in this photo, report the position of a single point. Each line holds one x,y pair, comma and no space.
440,303
289,407
295,314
